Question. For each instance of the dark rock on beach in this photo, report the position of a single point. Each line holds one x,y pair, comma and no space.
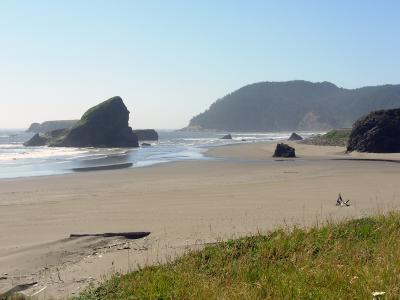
104,125
377,132
295,137
146,134
284,150
227,137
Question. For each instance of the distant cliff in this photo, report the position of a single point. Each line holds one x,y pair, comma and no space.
51,125
294,105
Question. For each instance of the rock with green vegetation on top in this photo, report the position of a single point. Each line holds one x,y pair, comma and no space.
104,125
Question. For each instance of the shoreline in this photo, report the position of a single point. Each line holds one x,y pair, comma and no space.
183,204
217,152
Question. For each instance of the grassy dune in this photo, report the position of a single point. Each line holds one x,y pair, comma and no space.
350,260
337,137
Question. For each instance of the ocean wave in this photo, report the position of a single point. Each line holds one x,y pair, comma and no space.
10,146
19,153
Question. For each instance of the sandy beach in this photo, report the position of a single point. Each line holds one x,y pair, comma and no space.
242,190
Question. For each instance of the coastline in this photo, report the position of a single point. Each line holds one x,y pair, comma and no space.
17,160
182,204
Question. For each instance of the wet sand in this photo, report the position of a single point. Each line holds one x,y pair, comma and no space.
243,190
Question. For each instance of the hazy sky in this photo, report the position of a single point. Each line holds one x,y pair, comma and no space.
169,60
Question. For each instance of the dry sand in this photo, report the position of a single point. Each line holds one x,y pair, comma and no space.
242,190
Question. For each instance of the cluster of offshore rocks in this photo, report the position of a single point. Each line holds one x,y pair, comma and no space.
104,125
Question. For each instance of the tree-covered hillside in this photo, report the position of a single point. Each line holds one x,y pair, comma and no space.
294,105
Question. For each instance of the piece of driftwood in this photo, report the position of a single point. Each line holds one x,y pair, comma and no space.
341,202
16,289
104,167
127,235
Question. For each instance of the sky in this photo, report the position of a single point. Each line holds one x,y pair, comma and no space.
169,60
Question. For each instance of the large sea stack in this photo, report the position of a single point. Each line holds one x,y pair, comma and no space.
378,132
104,125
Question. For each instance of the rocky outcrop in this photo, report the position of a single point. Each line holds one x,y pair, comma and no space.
284,150
36,141
295,137
377,132
104,125
227,137
146,134
51,125
43,139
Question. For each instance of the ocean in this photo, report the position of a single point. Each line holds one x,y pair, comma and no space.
17,160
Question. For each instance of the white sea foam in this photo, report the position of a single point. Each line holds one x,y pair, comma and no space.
10,146
21,152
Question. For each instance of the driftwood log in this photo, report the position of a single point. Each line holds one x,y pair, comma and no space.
127,235
102,168
341,202
16,289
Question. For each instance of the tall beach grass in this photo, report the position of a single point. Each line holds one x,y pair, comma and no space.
349,260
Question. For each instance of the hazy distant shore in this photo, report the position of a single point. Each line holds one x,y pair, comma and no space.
182,204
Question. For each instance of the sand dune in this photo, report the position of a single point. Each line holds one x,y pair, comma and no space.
243,191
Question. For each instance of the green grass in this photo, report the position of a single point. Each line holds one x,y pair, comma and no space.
337,137
95,108
349,260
